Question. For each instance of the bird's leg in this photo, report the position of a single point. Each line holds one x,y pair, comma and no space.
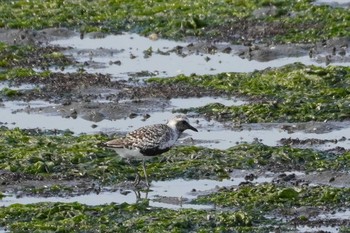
137,176
138,195
144,170
137,179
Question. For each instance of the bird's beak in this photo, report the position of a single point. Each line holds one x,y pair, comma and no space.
192,128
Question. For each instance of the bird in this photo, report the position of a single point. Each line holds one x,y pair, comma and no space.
149,141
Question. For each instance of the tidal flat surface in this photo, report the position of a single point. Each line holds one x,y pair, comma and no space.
271,154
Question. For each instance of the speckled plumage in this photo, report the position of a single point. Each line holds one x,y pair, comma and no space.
151,140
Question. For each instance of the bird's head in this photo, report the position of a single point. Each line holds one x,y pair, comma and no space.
181,123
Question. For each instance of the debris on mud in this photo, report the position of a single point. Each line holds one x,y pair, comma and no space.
309,141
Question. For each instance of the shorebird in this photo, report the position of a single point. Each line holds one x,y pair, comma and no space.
149,141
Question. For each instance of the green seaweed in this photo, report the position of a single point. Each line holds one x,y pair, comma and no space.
268,197
18,73
344,229
21,56
68,156
180,18
204,163
293,93
69,217
9,92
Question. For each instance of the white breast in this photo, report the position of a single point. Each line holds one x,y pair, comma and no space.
130,153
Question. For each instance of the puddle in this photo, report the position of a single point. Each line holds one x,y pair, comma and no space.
12,117
14,106
335,3
121,55
179,189
174,194
330,229
199,102
268,135
342,215
338,216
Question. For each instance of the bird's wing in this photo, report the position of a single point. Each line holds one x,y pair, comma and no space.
149,137
117,143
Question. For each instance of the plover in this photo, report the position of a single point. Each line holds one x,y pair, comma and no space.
149,141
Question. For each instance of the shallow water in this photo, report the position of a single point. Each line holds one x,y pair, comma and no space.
332,2
183,191
103,52
339,215
20,87
330,229
344,215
